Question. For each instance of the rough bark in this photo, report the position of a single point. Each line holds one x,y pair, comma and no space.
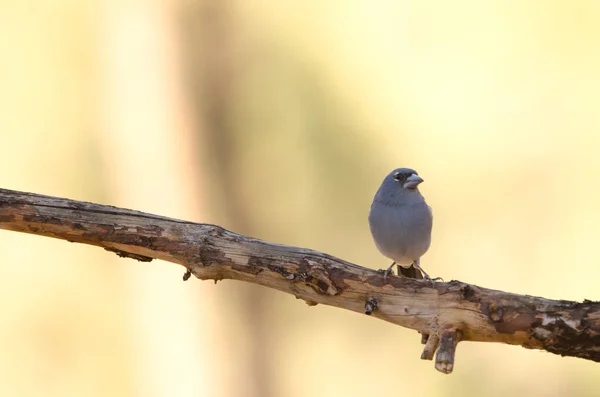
445,313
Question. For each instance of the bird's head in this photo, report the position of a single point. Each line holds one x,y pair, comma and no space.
405,177
398,186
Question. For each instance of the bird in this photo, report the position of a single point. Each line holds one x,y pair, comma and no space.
401,221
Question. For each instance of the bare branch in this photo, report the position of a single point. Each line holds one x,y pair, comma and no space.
444,314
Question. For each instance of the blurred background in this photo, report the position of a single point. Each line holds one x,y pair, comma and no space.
279,120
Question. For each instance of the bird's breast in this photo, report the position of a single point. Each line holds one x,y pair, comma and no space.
401,232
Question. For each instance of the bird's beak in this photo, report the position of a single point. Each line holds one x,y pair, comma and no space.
413,181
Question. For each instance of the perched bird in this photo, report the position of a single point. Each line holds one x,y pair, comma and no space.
401,221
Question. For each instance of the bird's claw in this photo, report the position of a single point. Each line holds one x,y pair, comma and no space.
386,272
433,280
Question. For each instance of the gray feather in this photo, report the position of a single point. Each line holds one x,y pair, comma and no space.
400,220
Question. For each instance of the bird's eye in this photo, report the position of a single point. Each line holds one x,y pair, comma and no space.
400,177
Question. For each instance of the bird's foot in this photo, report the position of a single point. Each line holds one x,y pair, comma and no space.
388,271
417,264
433,280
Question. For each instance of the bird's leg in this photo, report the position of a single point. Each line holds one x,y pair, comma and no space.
388,270
417,264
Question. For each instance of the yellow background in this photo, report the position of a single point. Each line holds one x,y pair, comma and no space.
278,120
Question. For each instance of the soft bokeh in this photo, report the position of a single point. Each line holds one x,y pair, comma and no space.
279,120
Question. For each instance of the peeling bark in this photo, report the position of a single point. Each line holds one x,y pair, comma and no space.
445,314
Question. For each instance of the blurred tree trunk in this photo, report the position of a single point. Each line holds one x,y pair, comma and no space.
149,151
215,68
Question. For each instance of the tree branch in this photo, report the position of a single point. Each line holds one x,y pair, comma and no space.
446,314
